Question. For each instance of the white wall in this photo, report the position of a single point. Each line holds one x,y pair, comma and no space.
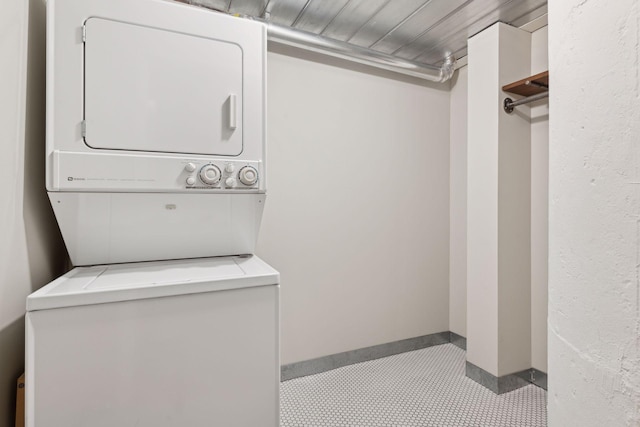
357,213
458,204
539,206
31,252
594,213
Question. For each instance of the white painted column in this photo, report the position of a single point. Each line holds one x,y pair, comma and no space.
594,213
499,201
458,204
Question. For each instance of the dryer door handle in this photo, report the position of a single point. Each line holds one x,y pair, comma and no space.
233,114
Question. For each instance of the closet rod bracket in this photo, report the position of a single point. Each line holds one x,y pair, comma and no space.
508,108
508,104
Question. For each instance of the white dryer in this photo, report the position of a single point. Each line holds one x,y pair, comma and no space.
155,130
155,344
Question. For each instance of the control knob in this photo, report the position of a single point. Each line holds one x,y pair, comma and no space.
210,174
248,175
230,182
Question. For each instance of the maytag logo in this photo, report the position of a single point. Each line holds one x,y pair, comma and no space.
70,178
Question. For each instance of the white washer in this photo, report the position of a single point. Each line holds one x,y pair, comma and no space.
156,344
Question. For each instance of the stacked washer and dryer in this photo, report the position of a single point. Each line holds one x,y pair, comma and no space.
156,174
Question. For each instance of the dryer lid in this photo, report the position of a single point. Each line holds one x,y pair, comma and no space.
154,90
125,282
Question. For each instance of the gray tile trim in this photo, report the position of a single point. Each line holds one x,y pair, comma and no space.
498,385
333,361
482,377
458,340
534,376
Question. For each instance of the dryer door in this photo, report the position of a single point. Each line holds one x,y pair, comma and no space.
152,90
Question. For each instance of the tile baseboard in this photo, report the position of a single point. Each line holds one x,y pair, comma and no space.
333,361
534,376
498,385
506,383
458,340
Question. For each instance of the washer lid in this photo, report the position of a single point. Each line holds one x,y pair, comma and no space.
124,282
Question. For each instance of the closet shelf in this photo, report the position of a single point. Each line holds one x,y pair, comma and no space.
528,86
532,88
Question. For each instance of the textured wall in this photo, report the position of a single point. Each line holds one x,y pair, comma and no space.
357,212
31,251
594,213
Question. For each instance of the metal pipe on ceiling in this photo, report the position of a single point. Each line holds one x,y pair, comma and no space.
351,52
317,43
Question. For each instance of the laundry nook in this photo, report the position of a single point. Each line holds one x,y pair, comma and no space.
171,172
307,213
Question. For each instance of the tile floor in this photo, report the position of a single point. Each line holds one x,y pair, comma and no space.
420,388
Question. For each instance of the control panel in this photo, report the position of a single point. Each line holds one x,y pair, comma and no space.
221,174
146,173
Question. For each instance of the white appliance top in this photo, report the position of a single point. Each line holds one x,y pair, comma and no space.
124,282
